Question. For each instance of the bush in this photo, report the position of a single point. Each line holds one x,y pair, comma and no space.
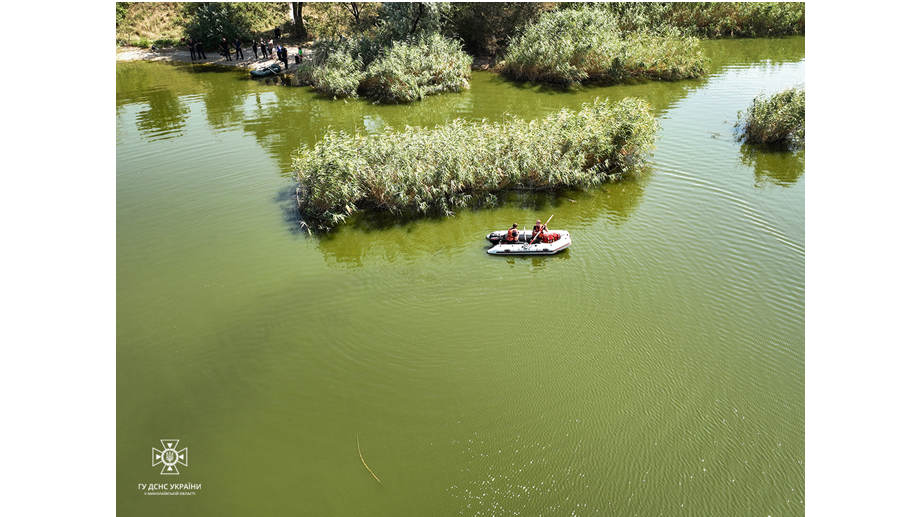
339,75
577,45
664,54
409,72
462,164
566,46
402,72
712,19
782,117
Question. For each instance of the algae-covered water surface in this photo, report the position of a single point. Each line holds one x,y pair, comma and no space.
655,368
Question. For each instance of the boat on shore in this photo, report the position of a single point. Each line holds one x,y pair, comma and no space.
268,70
560,240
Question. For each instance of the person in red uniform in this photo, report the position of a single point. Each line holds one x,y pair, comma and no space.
535,233
540,230
512,234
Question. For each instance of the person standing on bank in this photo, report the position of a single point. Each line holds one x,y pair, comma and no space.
255,50
225,51
190,45
283,56
262,47
199,49
238,51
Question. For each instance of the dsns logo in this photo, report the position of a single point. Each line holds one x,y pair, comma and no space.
169,457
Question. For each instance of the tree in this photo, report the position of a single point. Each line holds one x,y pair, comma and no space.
403,20
487,27
299,29
354,9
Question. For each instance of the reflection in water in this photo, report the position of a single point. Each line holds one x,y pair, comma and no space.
725,53
779,165
165,116
382,238
295,116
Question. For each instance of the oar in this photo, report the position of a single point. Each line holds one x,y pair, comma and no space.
538,232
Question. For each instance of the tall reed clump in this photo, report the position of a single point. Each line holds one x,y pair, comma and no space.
409,71
713,19
339,72
461,164
775,119
578,45
402,71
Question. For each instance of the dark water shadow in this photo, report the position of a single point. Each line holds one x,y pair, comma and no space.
534,86
781,164
612,202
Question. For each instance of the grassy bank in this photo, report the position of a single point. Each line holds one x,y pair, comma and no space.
143,24
163,24
462,164
580,45
775,119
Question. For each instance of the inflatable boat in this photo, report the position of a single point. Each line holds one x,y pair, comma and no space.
268,70
560,240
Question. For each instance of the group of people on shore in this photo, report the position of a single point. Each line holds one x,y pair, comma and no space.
268,50
539,234
195,47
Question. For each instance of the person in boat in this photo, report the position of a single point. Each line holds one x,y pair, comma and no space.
512,234
536,231
540,230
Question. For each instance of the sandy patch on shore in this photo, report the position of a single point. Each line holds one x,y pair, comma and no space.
249,63
172,54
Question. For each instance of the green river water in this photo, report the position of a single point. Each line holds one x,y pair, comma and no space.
655,368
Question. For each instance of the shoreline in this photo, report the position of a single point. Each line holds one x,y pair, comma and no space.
248,63
177,55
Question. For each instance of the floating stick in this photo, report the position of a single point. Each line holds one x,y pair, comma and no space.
365,463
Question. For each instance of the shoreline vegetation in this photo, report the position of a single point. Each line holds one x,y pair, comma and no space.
402,52
464,165
404,71
780,118
579,45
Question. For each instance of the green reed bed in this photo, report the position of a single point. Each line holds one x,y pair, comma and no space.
713,19
775,119
574,46
411,71
461,164
403,71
